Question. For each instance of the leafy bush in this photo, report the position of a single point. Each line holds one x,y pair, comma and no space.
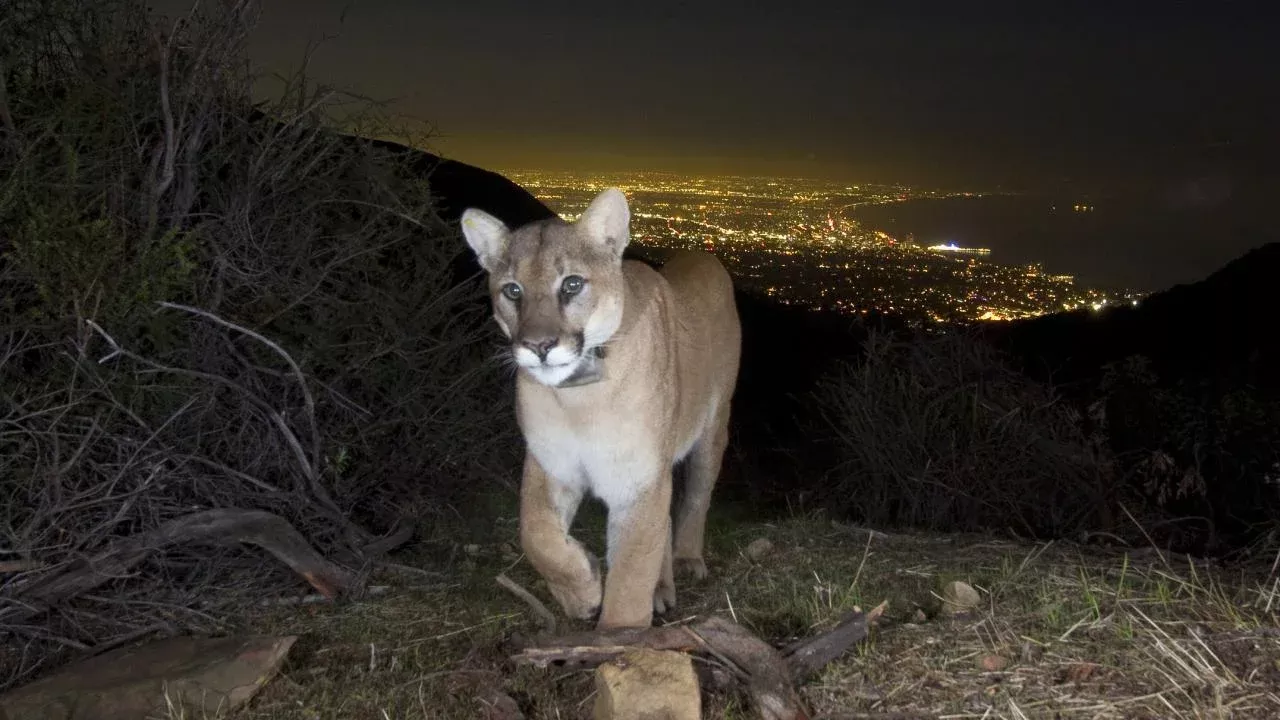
210,304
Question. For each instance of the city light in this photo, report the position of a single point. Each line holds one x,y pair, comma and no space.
799,242
953,248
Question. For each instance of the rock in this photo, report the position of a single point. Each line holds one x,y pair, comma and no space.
471,549
200,677
758,549
918,617
993,663
648,685
959,597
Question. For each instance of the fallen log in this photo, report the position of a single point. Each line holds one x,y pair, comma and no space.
767,674
222,526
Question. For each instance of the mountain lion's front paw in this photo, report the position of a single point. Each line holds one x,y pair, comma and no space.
694,567
581,597
664,598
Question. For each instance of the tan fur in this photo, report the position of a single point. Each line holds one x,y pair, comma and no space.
672,342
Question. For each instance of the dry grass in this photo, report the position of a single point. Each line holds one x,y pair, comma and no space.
1065,631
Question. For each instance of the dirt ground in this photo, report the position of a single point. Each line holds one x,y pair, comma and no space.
1064,631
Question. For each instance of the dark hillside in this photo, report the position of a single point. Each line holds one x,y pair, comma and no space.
1220,328
1190,391
458,186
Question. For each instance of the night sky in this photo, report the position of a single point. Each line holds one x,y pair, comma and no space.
1164,97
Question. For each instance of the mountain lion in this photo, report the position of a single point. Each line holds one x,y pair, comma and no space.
623,371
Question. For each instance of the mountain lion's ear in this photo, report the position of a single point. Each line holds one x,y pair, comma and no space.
607,220
487,235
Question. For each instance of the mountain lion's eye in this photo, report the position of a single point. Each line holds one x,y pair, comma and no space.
512,292
572,285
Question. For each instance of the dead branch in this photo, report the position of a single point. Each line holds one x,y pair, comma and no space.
254,527
317,492
810,655
310,462
16,566
768,675
399,535
540,610
728,664
769,685
168,145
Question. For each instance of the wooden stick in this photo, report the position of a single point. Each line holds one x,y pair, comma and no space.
593,648
540,610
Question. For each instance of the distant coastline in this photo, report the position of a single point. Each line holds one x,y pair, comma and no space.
1101,242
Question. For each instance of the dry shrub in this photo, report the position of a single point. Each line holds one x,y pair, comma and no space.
935,431
938,431
210,304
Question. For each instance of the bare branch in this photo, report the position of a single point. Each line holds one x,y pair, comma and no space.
253,527
169,143
539,610
308,400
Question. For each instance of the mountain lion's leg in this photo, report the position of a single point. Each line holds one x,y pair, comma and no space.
664,595
546,509
638,536
691,518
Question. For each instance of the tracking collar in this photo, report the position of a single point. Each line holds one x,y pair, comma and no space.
589,371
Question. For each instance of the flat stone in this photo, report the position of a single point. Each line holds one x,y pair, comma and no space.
959,597
648,685
205,677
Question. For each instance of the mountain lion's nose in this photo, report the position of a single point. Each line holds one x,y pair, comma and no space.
541,346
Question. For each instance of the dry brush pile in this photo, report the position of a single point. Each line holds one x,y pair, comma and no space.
222,325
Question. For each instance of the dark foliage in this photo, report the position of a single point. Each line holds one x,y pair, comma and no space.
1191,392
207,305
